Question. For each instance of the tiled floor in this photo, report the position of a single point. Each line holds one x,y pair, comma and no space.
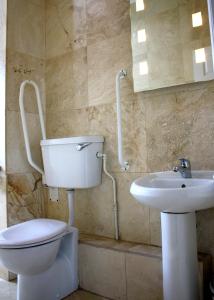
8,292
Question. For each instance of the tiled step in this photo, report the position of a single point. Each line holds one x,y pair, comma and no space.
124,270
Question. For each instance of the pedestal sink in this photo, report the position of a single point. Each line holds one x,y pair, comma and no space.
177,199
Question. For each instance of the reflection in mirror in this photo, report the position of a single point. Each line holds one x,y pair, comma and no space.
171,43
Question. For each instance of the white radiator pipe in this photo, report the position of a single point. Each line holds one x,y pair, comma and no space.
124,164
115,203
24,123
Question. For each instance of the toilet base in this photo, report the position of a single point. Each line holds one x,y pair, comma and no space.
60,280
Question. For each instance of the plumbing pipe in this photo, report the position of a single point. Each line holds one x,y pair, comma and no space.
70,197
24,123
124,164
115,203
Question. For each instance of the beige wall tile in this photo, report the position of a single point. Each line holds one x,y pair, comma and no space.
106,19
133,216
175,124
26,197
144,277
65,20
22,67
155,227
26,28
60,125
102,271
57,210
102,120
94,209
66,81
39,2
205,223
105,59
16,155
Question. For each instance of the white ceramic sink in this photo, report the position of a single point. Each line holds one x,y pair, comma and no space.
170,192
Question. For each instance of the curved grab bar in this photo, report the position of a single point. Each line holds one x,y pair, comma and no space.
124,164
24,123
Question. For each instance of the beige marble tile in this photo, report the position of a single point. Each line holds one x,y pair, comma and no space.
175,125
94,209
57,210
102,271
133,216
39,2
104,242
68,123
26,28
83,295
155,227
25,198
106,19
105,59
205,223
146,251
22,67
102,120
67,20
66,81
7,290
16,155
144,277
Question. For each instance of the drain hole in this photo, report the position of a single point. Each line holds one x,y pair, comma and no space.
183,186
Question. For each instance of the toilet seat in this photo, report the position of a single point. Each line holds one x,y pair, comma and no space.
32,233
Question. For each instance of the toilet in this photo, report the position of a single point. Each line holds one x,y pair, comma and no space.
44,252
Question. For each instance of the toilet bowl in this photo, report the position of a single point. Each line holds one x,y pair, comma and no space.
43,253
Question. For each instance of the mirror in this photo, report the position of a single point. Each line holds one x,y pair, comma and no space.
171,43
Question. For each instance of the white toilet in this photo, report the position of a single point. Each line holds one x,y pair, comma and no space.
44,252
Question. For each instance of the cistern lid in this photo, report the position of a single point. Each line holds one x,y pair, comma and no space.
31,232
73,140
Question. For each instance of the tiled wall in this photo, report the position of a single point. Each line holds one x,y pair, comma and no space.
87,42
25,60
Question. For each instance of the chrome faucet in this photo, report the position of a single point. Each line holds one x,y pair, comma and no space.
184,168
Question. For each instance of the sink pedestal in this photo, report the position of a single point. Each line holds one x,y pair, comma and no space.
179,252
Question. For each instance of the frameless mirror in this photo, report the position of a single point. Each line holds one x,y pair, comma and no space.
171,43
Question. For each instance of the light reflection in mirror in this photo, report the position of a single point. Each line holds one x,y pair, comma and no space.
197,19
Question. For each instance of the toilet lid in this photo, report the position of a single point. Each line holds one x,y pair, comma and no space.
31,232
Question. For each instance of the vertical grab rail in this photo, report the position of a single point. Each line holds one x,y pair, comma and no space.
24,123
124,164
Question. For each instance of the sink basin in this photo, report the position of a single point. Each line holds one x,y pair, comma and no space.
169,192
